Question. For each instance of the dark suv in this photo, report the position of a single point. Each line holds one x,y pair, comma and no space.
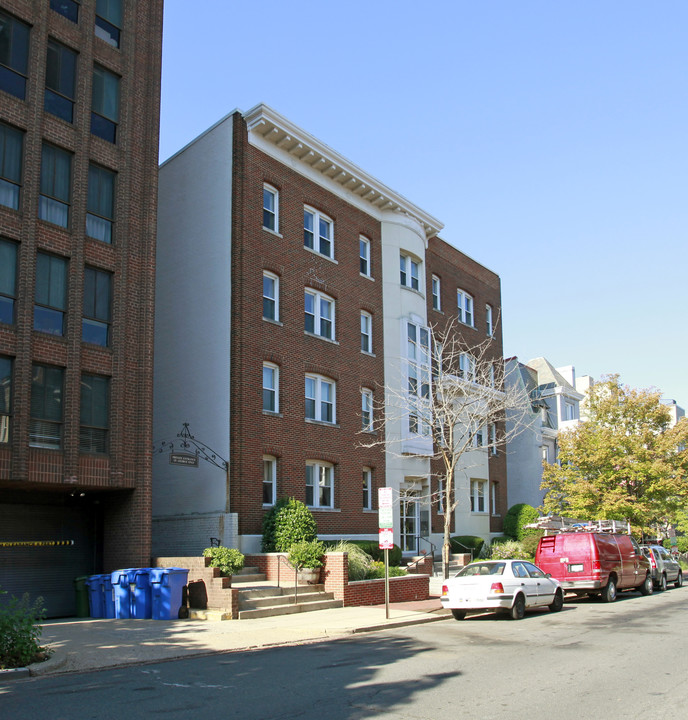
664,568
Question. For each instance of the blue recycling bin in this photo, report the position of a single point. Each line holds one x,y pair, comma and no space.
141,597
108,596
167,585
122,593
96,602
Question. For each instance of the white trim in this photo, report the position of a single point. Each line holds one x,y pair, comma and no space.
320,319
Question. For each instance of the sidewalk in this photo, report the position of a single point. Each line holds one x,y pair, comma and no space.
89,644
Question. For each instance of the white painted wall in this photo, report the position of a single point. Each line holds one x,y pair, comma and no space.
192,321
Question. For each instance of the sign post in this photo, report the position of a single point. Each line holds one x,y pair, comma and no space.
386,533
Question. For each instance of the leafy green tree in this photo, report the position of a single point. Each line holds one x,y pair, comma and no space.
625,461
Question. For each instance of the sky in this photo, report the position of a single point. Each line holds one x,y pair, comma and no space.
550,139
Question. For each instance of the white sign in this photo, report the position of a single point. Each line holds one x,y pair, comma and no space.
384,497
385,519
386,540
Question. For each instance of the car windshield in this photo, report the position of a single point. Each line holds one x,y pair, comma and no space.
486,568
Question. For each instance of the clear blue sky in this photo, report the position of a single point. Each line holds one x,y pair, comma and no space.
550,138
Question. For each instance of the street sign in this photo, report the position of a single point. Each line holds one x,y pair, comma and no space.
185,459
384,497
386,539
385,517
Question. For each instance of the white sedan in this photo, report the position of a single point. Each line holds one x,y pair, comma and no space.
509,585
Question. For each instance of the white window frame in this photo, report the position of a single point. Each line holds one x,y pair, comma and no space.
274,389
319,399
478,497
464,302
274,211
366,332
275,300
493,498
489,327
367,409
493,438
324,472
409,271
270,478
480,436
367,487
569,410
436,295
319,319
364,257
418,378
467,367
316,237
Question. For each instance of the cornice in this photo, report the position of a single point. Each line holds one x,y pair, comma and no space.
277,136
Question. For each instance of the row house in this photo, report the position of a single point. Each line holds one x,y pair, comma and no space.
290,288
79,120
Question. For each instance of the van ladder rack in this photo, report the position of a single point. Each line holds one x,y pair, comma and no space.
553,524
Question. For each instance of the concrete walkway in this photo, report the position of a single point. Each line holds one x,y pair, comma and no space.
90,644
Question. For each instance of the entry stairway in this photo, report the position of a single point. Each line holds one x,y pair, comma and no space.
245,595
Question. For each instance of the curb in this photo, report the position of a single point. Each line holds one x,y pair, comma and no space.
14,673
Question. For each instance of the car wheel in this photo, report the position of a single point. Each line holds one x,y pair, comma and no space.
518,609
648,586
679,580
459,614
662,583
609,591
558,602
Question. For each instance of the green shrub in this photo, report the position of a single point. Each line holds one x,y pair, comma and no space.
377,570
20,632
289,521
500,539
359,560
467,543
516,517
509,550
372,548
307,554
530,543
682,544
229,560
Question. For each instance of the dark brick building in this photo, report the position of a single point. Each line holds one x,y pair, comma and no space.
79,121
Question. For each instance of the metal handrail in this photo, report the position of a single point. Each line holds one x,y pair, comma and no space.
433,547
284,559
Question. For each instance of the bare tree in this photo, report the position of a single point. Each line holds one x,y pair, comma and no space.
453,397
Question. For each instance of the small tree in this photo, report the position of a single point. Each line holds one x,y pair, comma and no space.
288,522
453,396
625,462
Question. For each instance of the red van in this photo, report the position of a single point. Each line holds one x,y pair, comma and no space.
590,563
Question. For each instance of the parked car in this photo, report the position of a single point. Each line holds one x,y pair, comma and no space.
595,563
508,585
663,567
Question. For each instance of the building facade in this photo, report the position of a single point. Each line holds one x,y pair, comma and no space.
79,121
288,281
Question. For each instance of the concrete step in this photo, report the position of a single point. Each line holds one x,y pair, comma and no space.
212,615
248,578
279,600
289,609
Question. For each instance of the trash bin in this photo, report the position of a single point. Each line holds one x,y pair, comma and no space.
167,585
81,591
140,589
108,594
122,593
96,601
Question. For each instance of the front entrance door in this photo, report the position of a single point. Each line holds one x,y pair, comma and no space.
410,522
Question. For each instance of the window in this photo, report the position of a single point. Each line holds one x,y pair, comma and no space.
51,294
270,208
60,81
493,438
467,367
269,480
68,8
94,424
465,305
11,147
489,328
409,272
319,484
479,437
478,496
5,398
319,314
56,180
366,332
367,489
317,232
436,293
270,296
569,411
270,388
8,280
109,21
367,409
45,425
100,215
95,324
418,373
14,55
364,252
104,104
545,453
495,496
491,374
320,399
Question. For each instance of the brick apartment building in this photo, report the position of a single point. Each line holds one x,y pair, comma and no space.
289,283
79,120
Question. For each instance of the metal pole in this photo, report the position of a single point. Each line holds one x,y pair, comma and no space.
386,583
